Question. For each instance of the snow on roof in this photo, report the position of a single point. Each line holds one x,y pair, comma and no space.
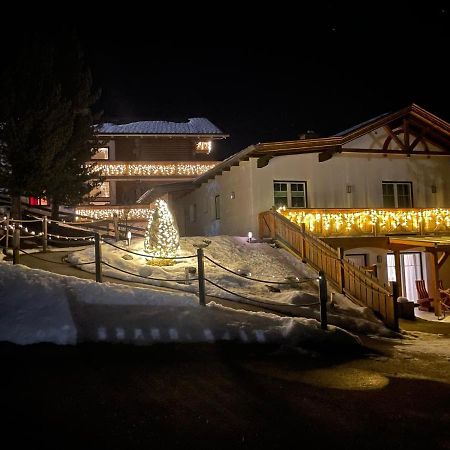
195,126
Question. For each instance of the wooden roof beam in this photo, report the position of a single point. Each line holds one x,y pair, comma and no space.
395,138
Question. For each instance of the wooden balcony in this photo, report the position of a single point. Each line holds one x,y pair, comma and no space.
154,169
371,222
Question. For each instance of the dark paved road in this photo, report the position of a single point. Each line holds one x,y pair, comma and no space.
218,396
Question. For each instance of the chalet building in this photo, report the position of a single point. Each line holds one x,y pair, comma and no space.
139,157
379,192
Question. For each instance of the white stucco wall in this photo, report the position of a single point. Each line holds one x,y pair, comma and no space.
236,204
326,186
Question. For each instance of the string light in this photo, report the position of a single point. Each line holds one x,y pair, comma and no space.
161,237
370,221
106,213
183,169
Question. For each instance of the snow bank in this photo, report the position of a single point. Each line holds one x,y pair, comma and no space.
37,306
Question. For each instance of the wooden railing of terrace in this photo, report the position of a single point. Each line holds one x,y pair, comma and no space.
364,289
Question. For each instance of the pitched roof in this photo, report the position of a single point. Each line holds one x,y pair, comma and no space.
428,122
194,126
431,126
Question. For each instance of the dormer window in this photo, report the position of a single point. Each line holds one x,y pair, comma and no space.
203,147
102,153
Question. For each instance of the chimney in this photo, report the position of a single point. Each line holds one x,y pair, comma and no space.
308,134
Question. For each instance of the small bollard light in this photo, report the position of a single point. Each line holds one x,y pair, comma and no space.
250,236
129,238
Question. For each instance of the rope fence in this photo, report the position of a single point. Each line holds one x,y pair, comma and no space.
31,255
148,255
259,302
147,278
305,280
200,256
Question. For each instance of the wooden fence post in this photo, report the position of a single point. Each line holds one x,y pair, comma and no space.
16,246
98,259
201,277
323,300
395,295
303,243
7,233
45,236
116,226
341,269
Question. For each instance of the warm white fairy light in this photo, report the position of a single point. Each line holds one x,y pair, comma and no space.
366,222
106,213
163,168
161,236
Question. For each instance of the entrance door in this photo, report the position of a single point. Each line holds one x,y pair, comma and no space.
411,269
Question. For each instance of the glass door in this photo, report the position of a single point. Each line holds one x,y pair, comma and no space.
411,269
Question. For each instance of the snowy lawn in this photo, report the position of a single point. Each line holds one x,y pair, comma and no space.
258,260
37,306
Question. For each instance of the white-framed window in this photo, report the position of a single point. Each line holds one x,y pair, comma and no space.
102,190
397,194
291,194
102,153
358,259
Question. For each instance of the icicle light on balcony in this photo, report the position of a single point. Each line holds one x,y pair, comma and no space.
107,213
160,169
371,221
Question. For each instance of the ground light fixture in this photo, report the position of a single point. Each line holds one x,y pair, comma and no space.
250,236
129,238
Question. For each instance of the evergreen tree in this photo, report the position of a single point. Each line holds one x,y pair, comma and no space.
161,236
46,122
72,178
35,119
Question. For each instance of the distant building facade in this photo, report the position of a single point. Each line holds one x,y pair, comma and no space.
139,157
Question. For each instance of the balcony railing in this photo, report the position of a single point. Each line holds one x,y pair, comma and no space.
153,169
374,222
107,212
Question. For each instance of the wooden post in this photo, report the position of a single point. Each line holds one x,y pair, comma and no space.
98,259
201,277
341,269
395,296
272,223
323,300
7,233
303,243
433,281
16,246
45,236
398,272
116,227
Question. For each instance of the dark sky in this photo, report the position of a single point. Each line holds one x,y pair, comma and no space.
325,68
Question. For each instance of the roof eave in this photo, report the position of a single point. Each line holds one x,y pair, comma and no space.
198,135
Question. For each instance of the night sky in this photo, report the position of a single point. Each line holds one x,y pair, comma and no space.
273,74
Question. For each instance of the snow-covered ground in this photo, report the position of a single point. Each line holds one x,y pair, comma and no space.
257,260
37,306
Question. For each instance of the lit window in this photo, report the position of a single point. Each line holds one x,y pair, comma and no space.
37,201
291,194
397,195
203,147
101,191
102,153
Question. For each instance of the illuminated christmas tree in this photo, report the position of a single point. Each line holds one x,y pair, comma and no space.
161,237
